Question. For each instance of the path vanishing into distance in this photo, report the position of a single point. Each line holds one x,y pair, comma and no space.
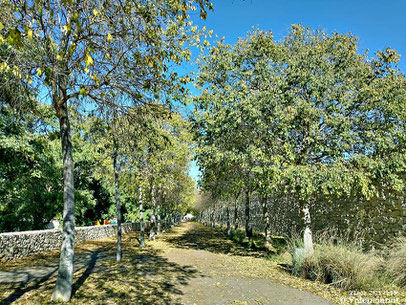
190,264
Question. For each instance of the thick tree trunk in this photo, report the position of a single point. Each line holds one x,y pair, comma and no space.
266,220
153,223
142,238
118,206
63,287
307,236
248,229
228,221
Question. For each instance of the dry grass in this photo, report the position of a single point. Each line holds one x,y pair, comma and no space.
344,267
396,264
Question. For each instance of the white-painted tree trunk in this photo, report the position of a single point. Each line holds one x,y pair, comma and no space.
307,236
142,240
153,219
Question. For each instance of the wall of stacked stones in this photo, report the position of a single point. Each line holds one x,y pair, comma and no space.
19,244
372,223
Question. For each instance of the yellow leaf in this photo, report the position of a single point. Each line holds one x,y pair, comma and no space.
29,34
109,37
95,12
39,71
66,28
1,26
59,57
29,79
88,60
4,66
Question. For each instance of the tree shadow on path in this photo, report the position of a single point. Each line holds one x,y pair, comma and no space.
23,287
144,276
200,237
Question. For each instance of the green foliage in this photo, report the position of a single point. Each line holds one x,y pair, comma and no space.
307,116
30,188
31,171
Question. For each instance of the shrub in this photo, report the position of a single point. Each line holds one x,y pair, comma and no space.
396,263
341,265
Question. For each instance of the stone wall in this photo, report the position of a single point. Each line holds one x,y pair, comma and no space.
19,244
372,223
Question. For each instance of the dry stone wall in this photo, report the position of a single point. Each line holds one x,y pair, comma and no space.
19,244
373,223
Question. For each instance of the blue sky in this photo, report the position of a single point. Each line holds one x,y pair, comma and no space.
377,24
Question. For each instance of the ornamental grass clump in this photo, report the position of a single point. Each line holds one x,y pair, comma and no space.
342,265
396,262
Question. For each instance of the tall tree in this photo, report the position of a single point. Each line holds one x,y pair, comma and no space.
87,49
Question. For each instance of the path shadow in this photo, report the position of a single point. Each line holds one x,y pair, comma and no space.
144,276
201,237
88,271
23,287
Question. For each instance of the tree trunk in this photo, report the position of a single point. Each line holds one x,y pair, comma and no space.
153,223
236,215
63,286
248,229
266,220
118,206
307,236
213,224
142,241
158,216
228,221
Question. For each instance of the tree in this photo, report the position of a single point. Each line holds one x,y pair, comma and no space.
84,53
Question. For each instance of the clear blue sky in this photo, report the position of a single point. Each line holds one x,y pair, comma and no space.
377,24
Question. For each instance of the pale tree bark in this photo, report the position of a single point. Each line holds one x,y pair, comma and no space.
153,222
63,287
213,224
228,221
307,236
118,205
248,228
142,238
158,215
266,220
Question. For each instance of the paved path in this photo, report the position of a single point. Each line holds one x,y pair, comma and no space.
231,274
191,264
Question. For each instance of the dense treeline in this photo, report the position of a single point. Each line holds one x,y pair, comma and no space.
31,169
307,119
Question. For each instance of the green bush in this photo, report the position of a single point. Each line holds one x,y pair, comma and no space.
396,263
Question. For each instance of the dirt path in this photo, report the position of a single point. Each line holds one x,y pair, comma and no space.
190,264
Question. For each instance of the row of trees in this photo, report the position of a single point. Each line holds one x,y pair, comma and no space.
114,58
306,118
